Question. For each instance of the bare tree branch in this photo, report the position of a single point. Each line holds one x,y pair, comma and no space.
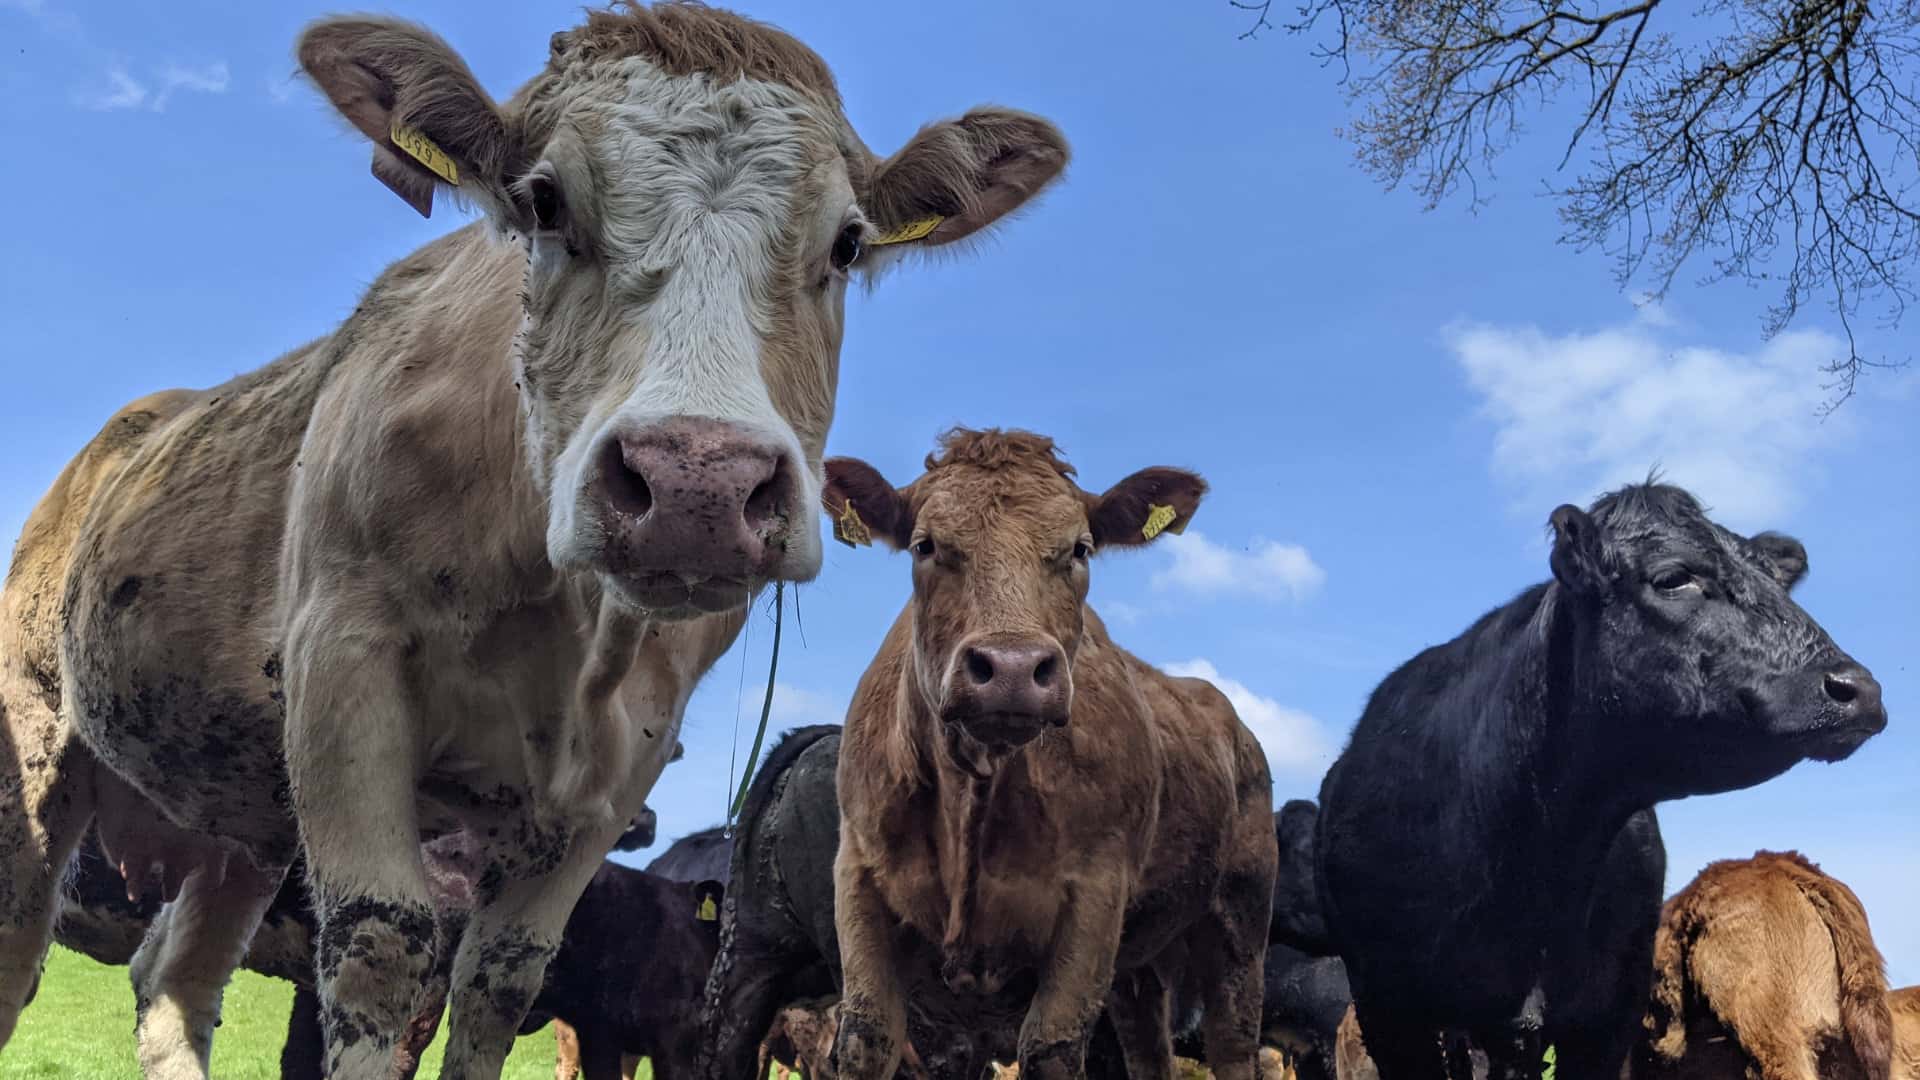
1774,141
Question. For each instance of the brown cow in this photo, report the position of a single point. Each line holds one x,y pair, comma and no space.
1905,1006
460,563
1765,967
1027,808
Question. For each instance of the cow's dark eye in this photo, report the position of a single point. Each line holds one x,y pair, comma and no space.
847,247
1082,551
923,548
543,195
1674,580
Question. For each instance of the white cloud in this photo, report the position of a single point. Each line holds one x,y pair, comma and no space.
1293,740
792,707
31,7
1269,569
1579,413
124,91
280,91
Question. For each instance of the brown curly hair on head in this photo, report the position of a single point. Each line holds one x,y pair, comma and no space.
994,448
683,37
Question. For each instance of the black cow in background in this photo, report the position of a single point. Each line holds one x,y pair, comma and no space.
1297,921
706,855
1488,860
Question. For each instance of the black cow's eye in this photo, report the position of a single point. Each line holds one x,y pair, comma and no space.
1673,580
543,194
847,247
1082,551
923,548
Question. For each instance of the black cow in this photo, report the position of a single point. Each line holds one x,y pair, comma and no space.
1305,1000
1297,922
632,970
706,855
1487,856
777,939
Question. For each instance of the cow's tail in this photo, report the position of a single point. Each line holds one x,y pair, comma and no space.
1862,973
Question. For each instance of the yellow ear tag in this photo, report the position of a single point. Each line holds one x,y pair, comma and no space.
850,530
1158,518
708,911
422,149
912,230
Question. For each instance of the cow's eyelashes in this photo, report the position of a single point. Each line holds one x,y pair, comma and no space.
923,548
1082,550
1674,580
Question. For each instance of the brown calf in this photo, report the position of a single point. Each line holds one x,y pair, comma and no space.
1765,966
1027,809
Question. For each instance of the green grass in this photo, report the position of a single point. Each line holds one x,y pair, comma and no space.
81,1026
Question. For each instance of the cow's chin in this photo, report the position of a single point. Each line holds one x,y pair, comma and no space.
671,597
999,733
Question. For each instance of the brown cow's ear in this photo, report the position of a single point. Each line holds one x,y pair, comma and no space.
405,89
1140,508
957,177
863,506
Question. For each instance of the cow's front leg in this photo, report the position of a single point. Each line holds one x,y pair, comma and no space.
873,1014
502,960
353,755
1074,984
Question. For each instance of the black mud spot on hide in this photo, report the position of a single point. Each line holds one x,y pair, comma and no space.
271,669
443,584
508,973
365,930
125,594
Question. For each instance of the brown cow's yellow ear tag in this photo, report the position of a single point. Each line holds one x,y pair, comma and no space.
1158,518
708,910
422,149
849,529
912,230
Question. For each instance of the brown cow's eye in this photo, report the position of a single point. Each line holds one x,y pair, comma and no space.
847,247
923,548
544,196
1082,551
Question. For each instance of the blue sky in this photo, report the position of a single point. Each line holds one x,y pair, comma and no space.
1387,402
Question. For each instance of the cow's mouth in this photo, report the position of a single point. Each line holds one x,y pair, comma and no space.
668,595
1001,732
1825,738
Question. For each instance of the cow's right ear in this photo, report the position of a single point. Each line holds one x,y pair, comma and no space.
405,89
863,506
1577,561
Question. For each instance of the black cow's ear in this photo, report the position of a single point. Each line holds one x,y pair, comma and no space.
1786,557
706,901
863,506
1576,559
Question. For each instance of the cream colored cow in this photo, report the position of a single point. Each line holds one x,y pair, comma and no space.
461,562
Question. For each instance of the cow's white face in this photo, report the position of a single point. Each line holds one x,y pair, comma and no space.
686,281
692,199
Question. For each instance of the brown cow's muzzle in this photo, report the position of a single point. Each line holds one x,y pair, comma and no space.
1005,691
697,512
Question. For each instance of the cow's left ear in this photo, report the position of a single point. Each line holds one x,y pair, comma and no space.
706,901
1138,509
1786,557
958,177
863,506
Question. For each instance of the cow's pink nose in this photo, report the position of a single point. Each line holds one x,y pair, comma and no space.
695,499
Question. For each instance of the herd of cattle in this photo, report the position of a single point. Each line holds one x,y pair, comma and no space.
354,669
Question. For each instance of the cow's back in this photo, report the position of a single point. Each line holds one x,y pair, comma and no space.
168,665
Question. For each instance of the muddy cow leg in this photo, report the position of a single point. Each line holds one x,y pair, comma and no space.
566,1051
1233,944
1139,1007
189,954
600,1055
741,1001
352,757
46,800
504,950
1074,984
872,1033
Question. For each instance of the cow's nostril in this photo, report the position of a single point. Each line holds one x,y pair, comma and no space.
626,490
979,668
1841,689
763,502
1043,672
